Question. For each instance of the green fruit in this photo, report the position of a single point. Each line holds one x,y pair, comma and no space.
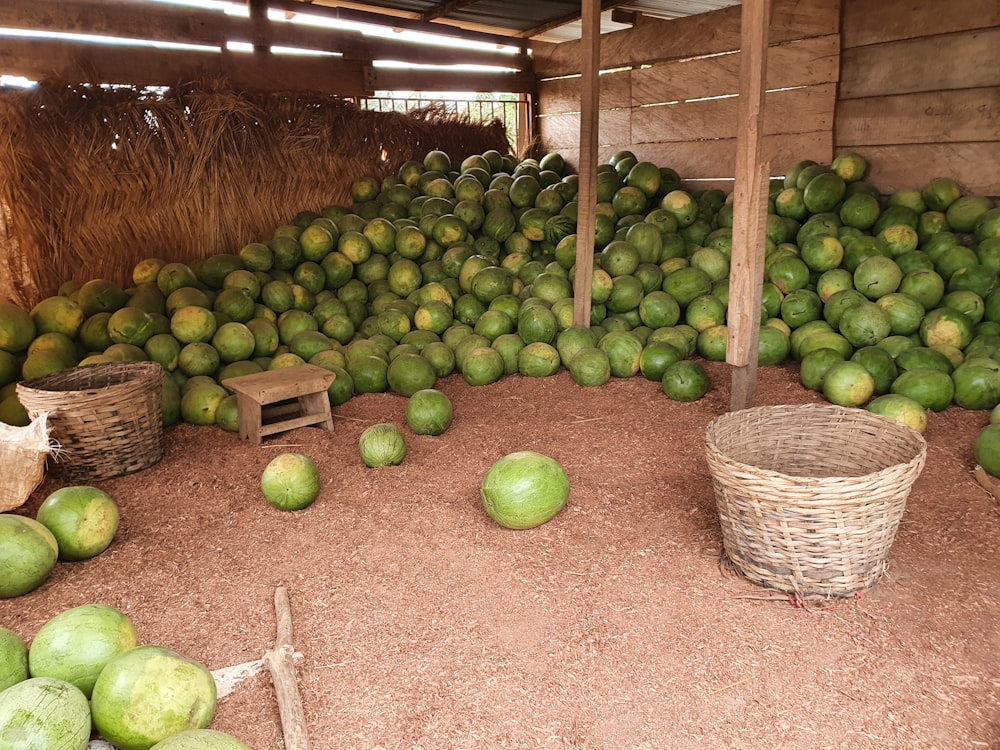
150,693
76,644
538,360
200,739
773,346
290,481
409,373
525,489
848,383
42,712
946,326
382,445
28,553
13,659
864,324
880,365
814,366
823,192
483,365
656,357
928,386
624,351
200,402
900,408
987,449
83,520
977,383
965,212
685,380
429,412
17,329
590,366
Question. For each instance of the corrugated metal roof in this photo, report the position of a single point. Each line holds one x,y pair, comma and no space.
543,20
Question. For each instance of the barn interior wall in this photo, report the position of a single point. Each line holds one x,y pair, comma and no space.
916,94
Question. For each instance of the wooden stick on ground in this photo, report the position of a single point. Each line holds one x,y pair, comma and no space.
280,662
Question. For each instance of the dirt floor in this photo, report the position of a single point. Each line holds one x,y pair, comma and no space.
422,624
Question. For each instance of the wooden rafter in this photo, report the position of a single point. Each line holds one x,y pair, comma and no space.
562,20
443,10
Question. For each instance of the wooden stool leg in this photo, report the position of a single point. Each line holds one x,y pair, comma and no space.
318,404
249,418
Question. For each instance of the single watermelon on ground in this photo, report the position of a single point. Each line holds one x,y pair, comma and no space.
524,489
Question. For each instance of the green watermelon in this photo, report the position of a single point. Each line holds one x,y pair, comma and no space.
77,643
83,520
28,553
429,412
42,713
290,481
685,380
590,366
150,693
200,739
524,490
987,449
13,659
382,445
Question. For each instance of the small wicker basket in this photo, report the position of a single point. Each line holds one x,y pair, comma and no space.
810,496
107,418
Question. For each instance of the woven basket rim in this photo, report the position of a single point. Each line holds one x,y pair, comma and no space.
905,433
140,370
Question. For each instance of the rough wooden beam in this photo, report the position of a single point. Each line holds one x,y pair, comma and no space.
280,662
407,21
590,94
164,23
80,62
749,208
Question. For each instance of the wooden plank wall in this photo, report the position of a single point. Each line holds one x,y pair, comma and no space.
669,93
920,92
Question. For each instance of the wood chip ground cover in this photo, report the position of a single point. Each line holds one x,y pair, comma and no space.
422,624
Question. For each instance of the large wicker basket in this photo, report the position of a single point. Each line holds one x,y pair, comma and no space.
810,496
107,418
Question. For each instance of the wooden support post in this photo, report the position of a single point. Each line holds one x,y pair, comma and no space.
587,194
746,274
280,662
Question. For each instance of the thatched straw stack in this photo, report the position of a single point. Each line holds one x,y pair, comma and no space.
94,180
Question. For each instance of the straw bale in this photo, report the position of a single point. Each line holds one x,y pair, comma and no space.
94,179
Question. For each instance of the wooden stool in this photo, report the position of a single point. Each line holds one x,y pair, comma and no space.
280,400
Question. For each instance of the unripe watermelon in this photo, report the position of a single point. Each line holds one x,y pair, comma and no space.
290,482
13,659
28,553
42,712
382,445
83,520
428,412
75,645
524,490
150,693
200,739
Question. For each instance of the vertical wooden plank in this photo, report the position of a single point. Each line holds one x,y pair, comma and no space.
749,207
589,108
261,26
527,105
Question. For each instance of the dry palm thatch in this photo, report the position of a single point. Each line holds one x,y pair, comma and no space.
93,180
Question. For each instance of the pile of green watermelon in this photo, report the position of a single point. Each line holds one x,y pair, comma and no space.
886,301
87,673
